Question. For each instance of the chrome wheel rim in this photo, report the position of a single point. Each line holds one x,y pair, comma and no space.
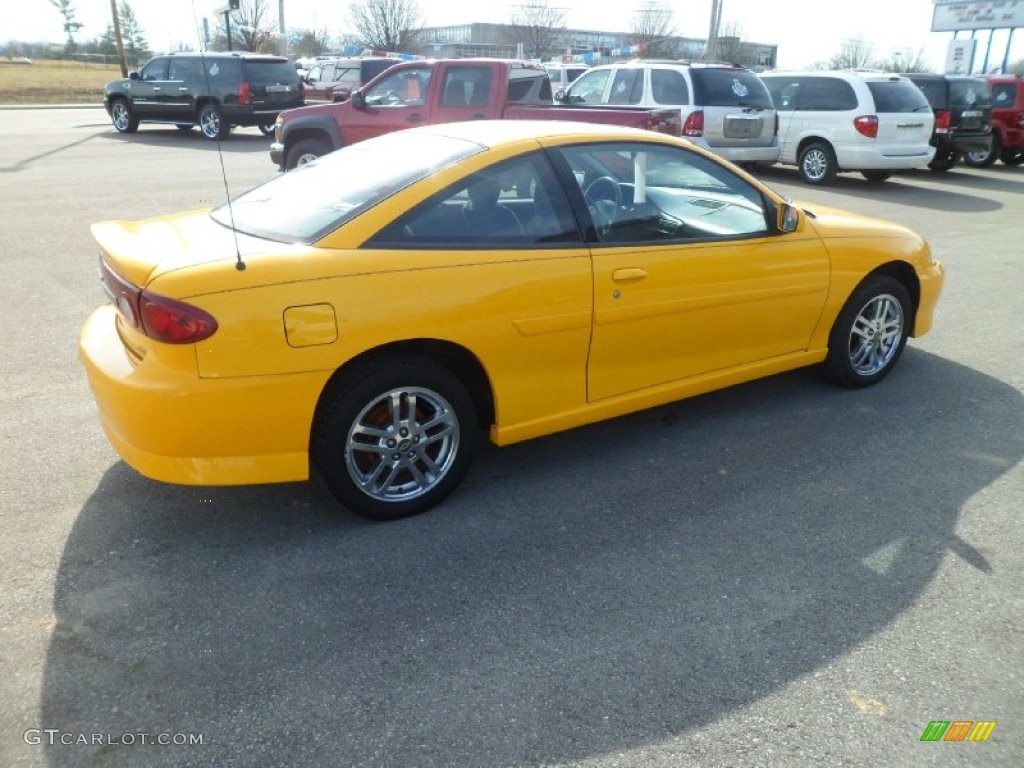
402,444
210,123
876,334
978,156
305,159
815,164
121,117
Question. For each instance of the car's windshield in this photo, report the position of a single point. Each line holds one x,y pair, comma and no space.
305,204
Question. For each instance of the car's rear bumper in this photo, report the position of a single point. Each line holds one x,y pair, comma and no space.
894,159
173,426
768,155
963,142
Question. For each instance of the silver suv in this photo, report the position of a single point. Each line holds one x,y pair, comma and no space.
724,108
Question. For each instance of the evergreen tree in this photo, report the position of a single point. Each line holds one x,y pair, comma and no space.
131,33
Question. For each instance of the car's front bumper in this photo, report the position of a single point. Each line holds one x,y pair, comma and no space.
173,426
277,154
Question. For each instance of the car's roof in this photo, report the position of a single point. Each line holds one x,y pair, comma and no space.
494,133
846,74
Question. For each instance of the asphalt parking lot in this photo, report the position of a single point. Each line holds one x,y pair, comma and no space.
779,574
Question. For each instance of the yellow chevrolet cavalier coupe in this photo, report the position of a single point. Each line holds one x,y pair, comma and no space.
368,316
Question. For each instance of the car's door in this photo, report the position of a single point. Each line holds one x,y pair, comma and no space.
315,83
396,100
184,85
147,92
690,274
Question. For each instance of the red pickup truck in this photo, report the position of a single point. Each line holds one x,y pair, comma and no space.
441,91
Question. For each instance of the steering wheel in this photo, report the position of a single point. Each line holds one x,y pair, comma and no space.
392,98
604,199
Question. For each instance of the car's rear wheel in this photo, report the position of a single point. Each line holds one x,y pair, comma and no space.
305,151
876,175
944,160
212,123
817,163
1012,156
267,129
394,436
870,333
983,158
121,115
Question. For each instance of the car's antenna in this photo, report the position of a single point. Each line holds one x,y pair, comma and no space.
239,264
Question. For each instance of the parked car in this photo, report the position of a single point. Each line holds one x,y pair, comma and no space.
369,317
963,115
1007,123
440,91
335,79
563,75
723,108
215,91
833,121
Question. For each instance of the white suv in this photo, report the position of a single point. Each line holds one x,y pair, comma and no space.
724,108
875,123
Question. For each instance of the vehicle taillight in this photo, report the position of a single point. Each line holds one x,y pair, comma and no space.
942,119
867,125
243,92
1020,120
159,317
776,124
694,125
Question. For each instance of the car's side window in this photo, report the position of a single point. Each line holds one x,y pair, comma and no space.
784,92
315,74
517,203
669,87
589,88
826,94
401,89
466,86
154,70
627,87
643,193
184,70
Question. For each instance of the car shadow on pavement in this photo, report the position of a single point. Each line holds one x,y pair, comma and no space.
892,191
591,592
240,140
23,164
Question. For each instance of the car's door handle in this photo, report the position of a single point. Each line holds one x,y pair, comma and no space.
415,118
629,274
183,89
156,87
910,125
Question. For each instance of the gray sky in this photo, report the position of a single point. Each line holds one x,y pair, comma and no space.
806,31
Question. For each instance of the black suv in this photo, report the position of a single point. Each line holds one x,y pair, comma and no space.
963,115
215,91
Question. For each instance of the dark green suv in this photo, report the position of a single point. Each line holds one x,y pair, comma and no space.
215,91
963,115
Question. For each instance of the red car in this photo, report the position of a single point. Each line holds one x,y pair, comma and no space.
1007,123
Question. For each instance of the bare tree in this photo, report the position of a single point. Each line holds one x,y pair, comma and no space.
653,30
253,27
1017,68
539,27
387,25
730,43
311,42
854,54
912,61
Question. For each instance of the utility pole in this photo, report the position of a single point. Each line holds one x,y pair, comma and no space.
119,41
711,50
281,27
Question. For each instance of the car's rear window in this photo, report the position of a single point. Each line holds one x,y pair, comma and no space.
1004,95
305,204
727,87
969,93
270,72
897,96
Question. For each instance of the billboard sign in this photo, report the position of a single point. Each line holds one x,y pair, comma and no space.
967,15
960,57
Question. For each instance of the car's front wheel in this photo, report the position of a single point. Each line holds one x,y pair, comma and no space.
870,333
817,163
121,115
267,129
212,123
983,158
305,151
393,436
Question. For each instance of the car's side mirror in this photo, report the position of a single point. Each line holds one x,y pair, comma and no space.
358,99
560,95
133,75
309,80
789,217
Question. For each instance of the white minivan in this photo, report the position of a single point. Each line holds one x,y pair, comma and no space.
832,121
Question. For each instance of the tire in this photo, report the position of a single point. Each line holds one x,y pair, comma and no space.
943,161
305,151
983,159
1012,156
267,129
121,115
870,333
817,163
212,123
422,454
876,176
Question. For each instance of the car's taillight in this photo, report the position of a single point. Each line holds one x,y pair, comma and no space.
1020,120
694,125
776,124
942,118
159,317
867,125
243,92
